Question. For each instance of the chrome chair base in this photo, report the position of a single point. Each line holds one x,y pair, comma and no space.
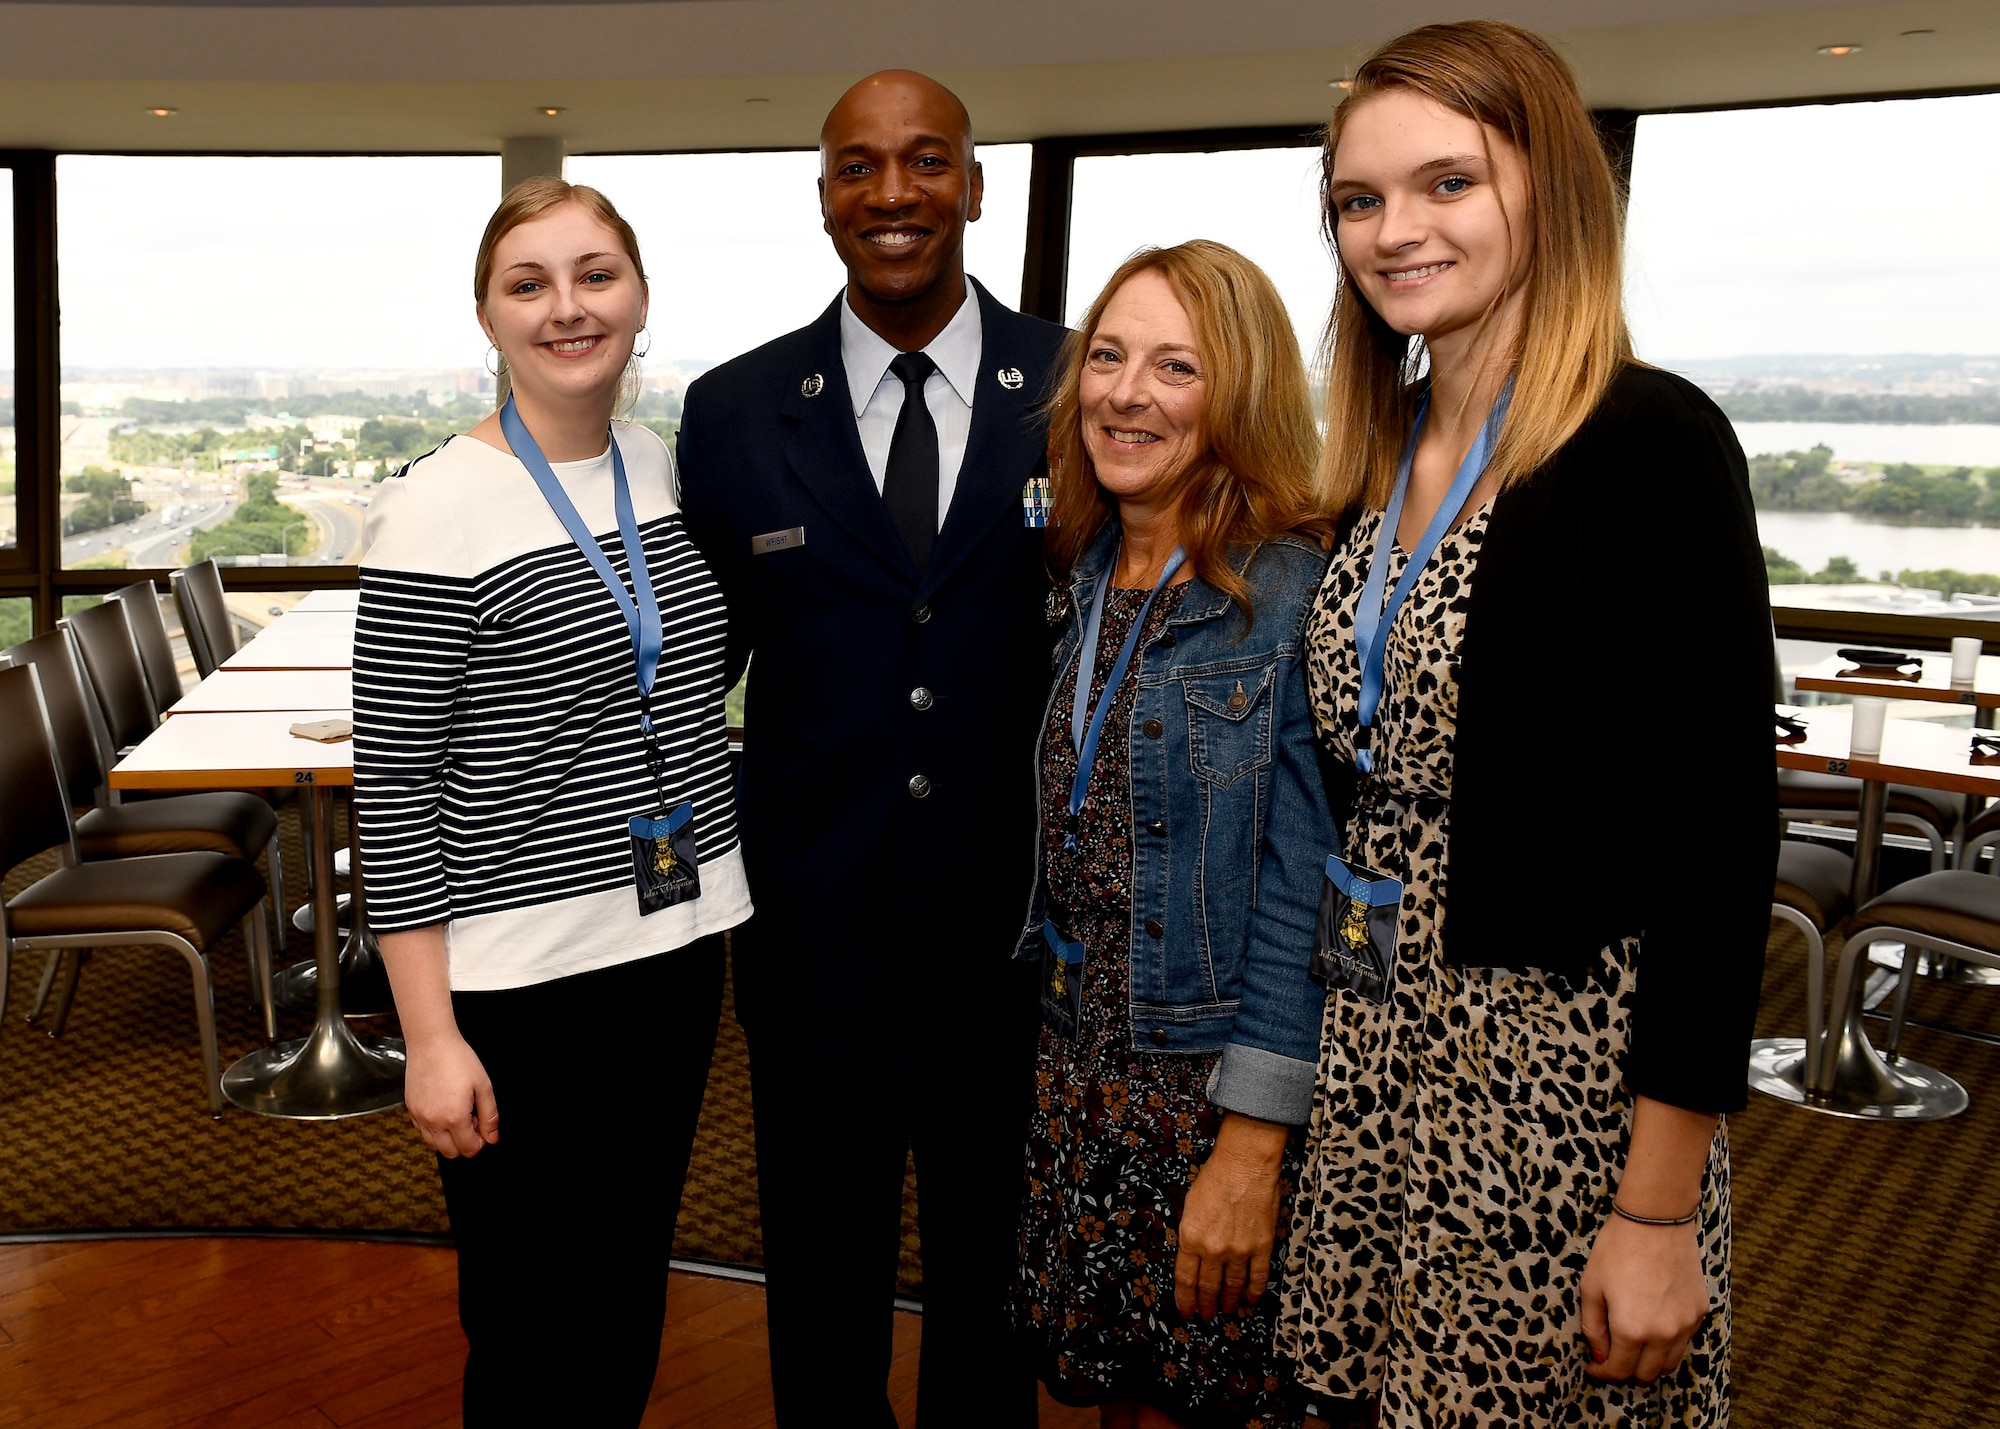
323,1077
1778,1069
1950,971
1866,1088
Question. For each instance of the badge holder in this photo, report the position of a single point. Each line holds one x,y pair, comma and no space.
1356,947
1062,982
666,868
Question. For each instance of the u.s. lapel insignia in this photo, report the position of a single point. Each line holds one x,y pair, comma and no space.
1011,378
812,386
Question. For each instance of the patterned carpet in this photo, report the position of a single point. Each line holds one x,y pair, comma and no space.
1863,1291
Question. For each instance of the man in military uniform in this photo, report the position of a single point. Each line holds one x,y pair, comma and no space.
857,488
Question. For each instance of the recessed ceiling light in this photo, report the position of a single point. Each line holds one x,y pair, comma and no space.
1840,51
1339,84
1908,33
161,111
758,99
551,110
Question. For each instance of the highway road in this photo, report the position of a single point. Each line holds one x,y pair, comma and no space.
333,507
151,540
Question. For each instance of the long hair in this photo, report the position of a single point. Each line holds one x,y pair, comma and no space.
1251,477
1572,340
530,199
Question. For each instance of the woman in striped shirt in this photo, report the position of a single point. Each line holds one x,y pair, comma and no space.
542,778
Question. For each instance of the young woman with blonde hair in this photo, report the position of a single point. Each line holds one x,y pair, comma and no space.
542,778
1183,820
1514,1208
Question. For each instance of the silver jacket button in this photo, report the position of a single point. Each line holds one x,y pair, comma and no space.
921,699
920,786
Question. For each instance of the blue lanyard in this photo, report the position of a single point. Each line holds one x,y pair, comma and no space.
1085,725
640,609
1372,617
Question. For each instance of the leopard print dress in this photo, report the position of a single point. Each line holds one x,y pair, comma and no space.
1467,1135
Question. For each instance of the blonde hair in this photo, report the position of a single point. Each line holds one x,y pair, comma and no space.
530,199
1572,340
1252,477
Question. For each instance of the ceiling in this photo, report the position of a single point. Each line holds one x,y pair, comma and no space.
463,75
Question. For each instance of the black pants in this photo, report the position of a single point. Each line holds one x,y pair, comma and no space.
565,1225
924,1049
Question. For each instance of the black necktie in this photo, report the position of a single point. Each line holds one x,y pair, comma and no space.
910,480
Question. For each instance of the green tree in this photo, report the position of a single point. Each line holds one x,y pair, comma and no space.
1796,481
107,501
1780,569
1949,583
260,525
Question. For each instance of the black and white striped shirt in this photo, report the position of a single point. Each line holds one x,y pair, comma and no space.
497,754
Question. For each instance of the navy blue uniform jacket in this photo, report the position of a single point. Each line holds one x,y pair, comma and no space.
844,859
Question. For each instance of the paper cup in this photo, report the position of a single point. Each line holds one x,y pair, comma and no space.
1869,717
1964,659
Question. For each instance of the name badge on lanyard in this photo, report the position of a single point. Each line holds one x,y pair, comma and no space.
664,867
1084,724
1355,950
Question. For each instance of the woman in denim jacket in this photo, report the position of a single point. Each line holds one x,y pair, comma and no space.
1179,875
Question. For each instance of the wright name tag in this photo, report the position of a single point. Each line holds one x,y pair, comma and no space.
777,541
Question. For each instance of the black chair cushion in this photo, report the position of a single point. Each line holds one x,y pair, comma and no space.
198,896
1798,789
1815,881
1956,904
232,823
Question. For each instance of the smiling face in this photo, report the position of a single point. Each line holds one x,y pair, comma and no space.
1431,215
1143,392
898,185
564,305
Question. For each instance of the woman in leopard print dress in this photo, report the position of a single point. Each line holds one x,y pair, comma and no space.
1514,1207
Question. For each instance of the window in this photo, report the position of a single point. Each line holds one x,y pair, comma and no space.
735,254
1262,202
17,614
1828,273
249,343
9,518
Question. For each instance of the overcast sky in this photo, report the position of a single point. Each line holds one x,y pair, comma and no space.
1840,228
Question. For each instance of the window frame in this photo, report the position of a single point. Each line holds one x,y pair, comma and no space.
33,567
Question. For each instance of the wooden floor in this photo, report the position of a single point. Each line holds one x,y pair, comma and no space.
284,1334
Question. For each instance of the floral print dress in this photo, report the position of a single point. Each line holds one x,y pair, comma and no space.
1117,1135
1468,1135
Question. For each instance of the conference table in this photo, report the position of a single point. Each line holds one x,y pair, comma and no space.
301,640
1914,752
328,600
1930,681
234,731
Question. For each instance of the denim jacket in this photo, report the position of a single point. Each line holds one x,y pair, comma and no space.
1230,830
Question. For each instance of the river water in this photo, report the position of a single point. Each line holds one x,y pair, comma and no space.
1812,538
1968,444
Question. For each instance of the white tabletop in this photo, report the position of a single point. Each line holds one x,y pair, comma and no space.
1918,752
236,751
308,641
315,601
250,690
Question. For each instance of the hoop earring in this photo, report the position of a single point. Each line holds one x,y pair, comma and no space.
649,343
490,363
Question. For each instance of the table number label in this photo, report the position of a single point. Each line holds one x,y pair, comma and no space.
1836,766
302,776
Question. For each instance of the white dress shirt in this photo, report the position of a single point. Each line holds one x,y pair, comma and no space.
878,392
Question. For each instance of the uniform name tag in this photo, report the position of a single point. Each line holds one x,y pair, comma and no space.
777,541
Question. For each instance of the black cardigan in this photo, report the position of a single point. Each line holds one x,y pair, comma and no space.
1613,771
